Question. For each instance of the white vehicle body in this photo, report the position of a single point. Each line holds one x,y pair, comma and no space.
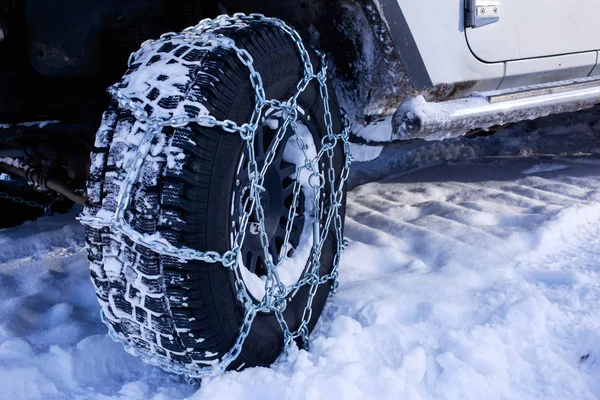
525,47
531,43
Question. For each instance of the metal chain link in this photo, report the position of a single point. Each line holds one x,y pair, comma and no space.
46,207
211,32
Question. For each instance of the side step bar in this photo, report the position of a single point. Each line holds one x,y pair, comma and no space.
418,119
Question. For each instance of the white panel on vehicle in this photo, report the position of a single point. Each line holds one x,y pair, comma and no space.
534,28
548,69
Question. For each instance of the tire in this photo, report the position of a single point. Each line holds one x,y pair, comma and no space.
185,316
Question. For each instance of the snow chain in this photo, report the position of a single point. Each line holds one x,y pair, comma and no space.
46,207
276,292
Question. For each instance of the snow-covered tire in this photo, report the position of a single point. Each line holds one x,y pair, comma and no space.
185,315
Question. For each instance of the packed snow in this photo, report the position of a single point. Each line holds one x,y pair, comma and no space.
472,273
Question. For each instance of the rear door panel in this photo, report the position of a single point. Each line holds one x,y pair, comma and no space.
538,28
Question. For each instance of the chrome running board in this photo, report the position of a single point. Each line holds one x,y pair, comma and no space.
418,119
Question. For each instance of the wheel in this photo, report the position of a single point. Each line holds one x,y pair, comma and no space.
193,185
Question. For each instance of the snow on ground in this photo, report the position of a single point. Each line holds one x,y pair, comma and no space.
473,273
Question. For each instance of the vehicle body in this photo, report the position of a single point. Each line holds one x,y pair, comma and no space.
433,71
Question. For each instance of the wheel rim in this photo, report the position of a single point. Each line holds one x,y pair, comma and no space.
277,200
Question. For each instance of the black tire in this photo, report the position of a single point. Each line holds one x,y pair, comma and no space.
185,315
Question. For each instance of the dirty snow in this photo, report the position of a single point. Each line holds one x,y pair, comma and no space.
472,273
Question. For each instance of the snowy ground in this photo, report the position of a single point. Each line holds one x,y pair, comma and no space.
473,273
